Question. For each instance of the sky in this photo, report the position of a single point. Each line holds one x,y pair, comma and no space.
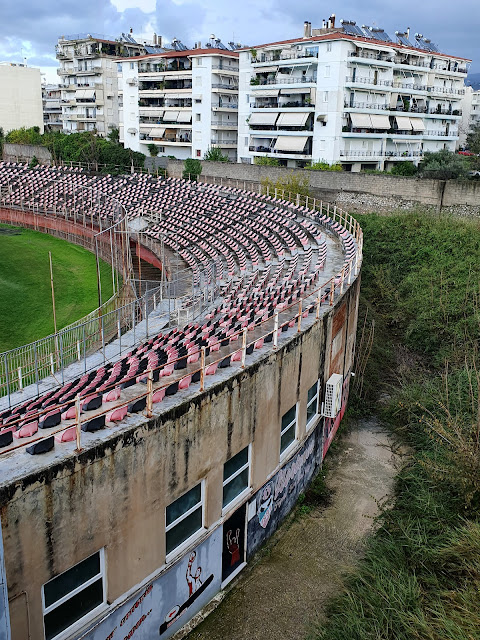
30,28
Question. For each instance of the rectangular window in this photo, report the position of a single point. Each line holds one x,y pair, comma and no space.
73,594
327,71
184,517
289,428
199,153
329,46
312,403
325,96
132,65
236,472
198,117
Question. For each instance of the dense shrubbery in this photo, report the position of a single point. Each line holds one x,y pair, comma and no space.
320,165
214,154
84,148
192,168
267,162
404,169
443,165
420,577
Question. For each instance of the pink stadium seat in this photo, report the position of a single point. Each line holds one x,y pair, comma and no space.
113,394
69,414
117,414
27,430
185,382
158,395
211,369
66,436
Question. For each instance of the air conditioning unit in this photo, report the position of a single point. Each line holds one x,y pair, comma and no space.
333,396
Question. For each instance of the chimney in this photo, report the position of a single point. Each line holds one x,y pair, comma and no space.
199,45
324,24
332,20
131,30
408,33
307,29
159,41
154,38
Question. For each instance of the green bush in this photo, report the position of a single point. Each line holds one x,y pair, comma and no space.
443,165
267,162
152,149
321,165
192,168
404,169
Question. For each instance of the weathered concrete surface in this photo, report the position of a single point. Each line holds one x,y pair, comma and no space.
283,593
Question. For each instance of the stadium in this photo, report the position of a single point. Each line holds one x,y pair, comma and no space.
149,449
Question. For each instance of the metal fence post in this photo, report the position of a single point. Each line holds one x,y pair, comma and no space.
244,346
149,393
77,424
202,370
275,331
299,316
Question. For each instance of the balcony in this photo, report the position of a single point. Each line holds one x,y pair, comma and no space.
371,55
224,85
227,69
367,80
229,144
360,153
411,62
410,86
447,91
293,104
278,57
290,80
222,107
367,105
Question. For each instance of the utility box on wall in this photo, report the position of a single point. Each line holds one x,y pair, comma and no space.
333,396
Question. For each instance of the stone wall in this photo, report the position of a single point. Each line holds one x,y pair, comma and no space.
25,152
354,191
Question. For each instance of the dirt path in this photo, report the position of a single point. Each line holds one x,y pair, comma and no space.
282,593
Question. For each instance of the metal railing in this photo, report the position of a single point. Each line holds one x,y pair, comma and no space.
292,80
368,80
302,306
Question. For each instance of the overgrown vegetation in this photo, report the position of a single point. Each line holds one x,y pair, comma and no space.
192,168
266,162
102,154
214,154
321,165
443,165
420,577
287,186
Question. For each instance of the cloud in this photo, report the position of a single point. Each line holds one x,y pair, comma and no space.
35,26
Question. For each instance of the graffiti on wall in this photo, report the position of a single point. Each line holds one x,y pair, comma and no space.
276,498
233,553
164,605
332,424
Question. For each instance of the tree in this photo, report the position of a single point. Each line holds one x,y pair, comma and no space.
33,162
321,165
153,149
442,165
473,139
214,154
114,135
192,168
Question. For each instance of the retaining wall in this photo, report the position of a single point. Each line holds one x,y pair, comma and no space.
25,152
355,191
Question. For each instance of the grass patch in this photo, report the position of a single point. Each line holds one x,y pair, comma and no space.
26,309
420,577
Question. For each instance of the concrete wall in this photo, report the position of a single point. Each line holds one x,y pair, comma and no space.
355,191
25,152
20,97
113,494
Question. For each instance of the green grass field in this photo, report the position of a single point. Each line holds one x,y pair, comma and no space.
26,300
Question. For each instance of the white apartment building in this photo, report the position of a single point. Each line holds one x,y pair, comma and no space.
52,107
470,114
350,95
88,71
184,102
20,97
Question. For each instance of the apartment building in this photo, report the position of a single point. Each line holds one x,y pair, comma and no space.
470,114
52,107
183,101
88,71
350,95
20,97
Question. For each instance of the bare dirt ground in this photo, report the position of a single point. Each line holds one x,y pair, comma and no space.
282,593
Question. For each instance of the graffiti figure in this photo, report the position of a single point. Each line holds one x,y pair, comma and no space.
265,506
193,579
233,546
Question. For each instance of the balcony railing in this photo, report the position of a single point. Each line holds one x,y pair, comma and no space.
265,57
224,85
223,68
366,105
223,142
411,63
295,104
371,55
360,153
411,86
224,106
367,80
445,112
292,80
446,90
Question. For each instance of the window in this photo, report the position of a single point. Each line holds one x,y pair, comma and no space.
132,65
198,117
325,96
327,71
246,141
289,427
119,67
312,405
236,473
184,517
329,46
199,153
73,594
247,98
